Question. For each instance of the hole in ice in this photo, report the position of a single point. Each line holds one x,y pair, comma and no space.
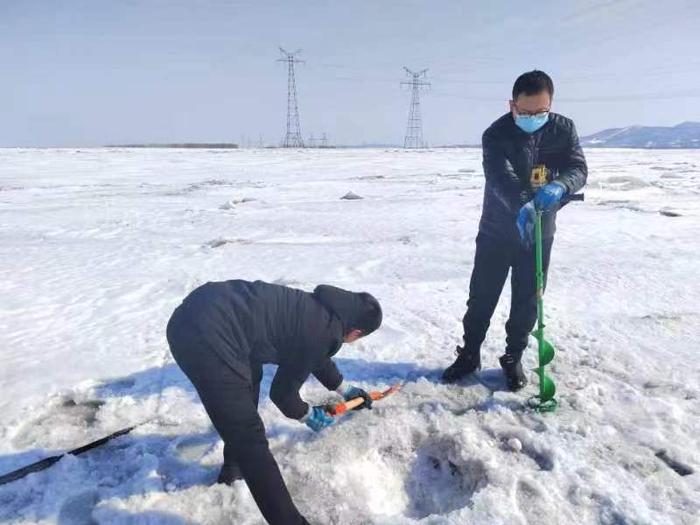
59,424
439,482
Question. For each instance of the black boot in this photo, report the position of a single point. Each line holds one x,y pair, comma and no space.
466,363
513,370
229,473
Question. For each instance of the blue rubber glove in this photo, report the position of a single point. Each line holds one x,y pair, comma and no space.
526,224
548,196
317,419
353,392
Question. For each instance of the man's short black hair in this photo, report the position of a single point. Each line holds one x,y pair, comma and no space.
532,83
371,316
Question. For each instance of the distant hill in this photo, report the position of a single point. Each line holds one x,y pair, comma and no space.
685,135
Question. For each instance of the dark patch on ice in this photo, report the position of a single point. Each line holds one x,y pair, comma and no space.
440,482
91,406
369,177
679,468
350,196
406,240
669,213
217,243
662,168
466,170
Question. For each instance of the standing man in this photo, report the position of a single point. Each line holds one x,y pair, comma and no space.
222,334
532,159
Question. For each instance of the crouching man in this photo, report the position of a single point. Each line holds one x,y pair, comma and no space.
224,332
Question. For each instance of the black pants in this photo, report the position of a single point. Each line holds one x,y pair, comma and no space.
231,403
494,257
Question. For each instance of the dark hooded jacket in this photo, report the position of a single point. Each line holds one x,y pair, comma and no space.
509,156
251,323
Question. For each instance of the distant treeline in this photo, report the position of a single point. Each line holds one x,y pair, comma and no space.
190,145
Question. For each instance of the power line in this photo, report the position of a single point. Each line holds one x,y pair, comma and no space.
292,138
414,128
661,95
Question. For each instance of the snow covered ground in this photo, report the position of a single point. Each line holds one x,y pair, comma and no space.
98,246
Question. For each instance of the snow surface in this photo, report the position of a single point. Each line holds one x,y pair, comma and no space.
98,246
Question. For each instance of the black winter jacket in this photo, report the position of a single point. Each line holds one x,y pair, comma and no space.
251,323
508,157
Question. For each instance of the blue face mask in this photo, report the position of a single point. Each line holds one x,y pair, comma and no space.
531,123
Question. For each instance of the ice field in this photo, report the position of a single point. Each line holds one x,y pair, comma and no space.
98,246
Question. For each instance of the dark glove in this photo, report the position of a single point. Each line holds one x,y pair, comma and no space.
353,392
526,224
317,418
548,196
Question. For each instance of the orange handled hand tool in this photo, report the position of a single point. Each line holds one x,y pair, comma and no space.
341,408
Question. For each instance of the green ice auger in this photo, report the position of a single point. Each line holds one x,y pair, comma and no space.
544,401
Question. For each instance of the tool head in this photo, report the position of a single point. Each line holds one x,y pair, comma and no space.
380,395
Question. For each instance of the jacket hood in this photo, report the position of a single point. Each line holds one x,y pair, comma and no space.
349,307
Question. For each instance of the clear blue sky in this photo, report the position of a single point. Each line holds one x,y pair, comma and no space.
92,72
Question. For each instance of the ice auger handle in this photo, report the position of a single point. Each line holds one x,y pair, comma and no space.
574,197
